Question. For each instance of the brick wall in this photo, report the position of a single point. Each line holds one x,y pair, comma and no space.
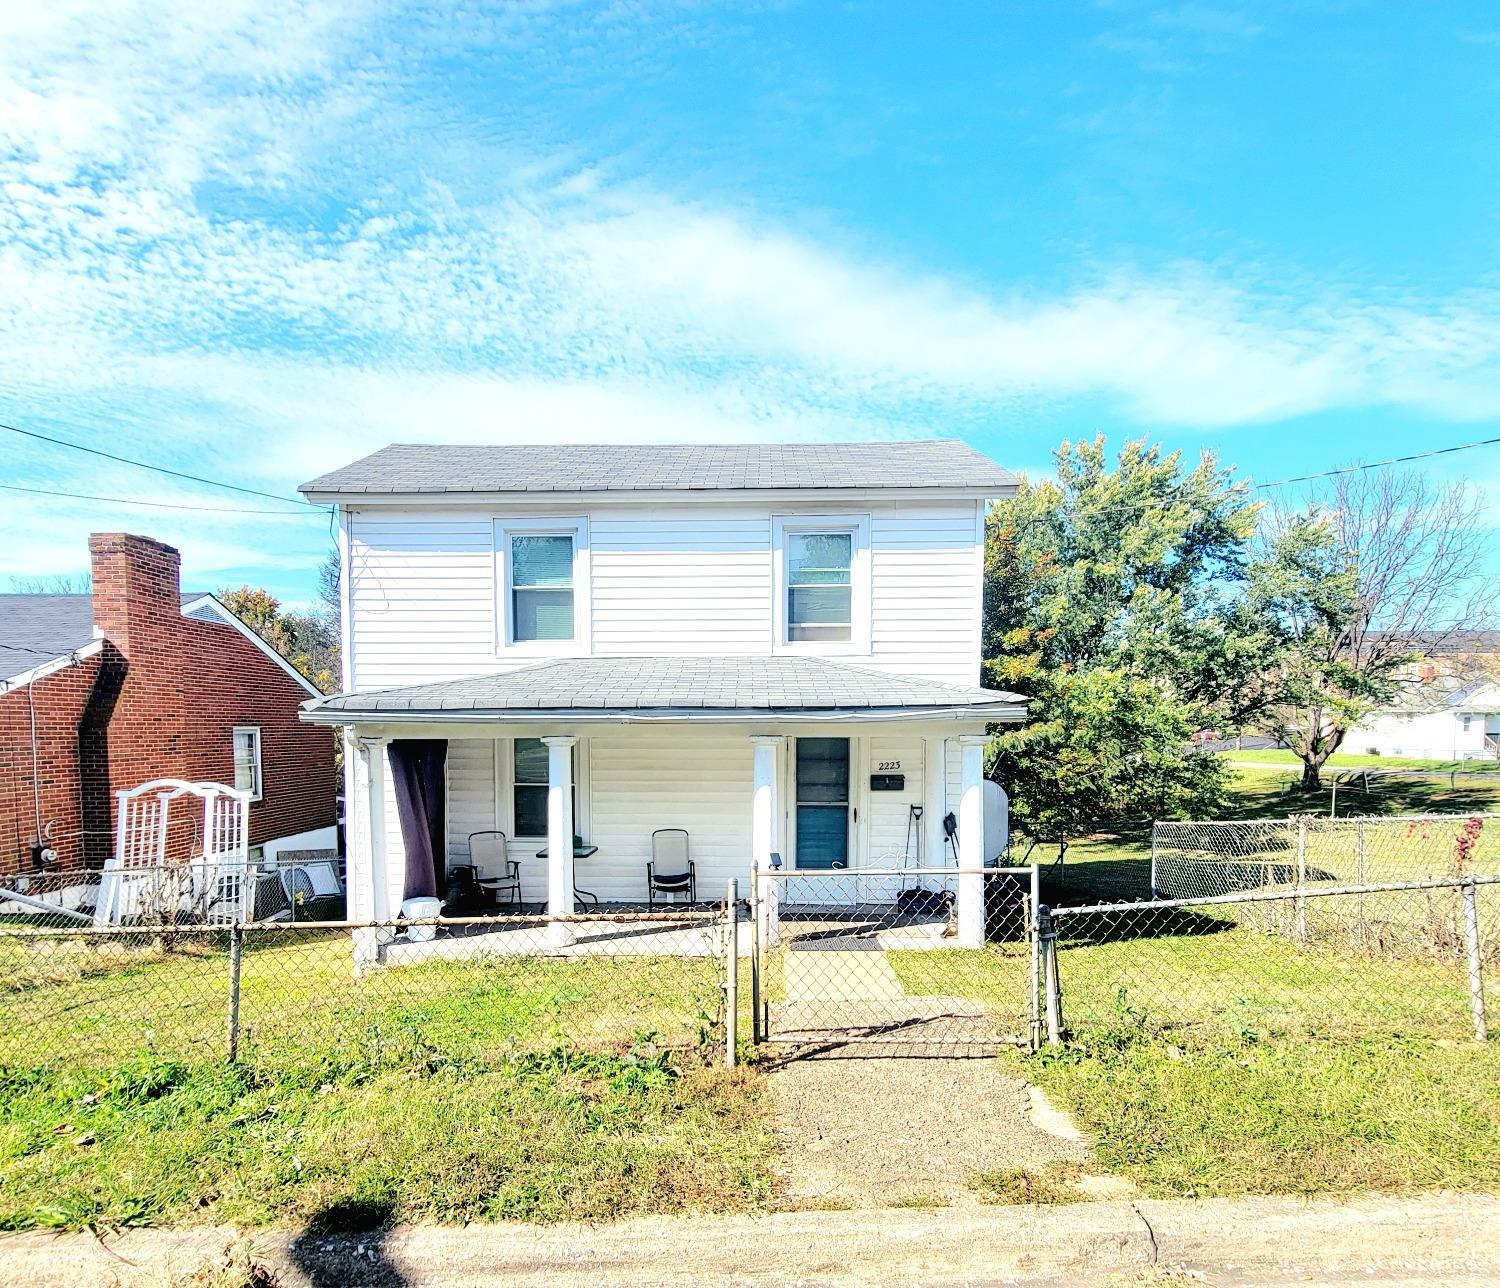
60,700
161,701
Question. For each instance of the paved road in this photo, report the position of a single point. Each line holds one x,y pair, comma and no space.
1433,1240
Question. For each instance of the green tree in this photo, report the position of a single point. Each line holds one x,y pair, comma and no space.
1109,598
1349,590
309,641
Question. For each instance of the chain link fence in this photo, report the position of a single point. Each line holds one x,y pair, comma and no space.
1197,859
1415,958
319,1000
894,959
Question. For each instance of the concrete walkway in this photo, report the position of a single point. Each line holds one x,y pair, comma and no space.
1432,1240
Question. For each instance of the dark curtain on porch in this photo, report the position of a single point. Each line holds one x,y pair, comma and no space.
417,772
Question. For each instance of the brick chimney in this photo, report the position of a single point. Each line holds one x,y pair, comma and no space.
137,588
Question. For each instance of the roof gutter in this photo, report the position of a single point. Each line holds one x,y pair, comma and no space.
623,716
625,496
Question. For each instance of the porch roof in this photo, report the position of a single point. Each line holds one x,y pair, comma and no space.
665,688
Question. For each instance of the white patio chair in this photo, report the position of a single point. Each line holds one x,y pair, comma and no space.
670,871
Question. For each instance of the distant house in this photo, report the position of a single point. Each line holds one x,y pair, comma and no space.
769,655
139,681
1449,705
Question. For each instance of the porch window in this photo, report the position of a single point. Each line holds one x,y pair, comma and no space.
247,761
819,585
529,785
541,586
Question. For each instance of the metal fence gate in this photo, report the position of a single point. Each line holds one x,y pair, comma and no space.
935,959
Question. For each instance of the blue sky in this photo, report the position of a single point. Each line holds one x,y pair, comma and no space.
256,239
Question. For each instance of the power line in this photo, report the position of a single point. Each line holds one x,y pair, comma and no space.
1152,503
146,465
1380,465
159,505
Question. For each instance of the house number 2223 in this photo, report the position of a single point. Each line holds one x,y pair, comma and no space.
885,766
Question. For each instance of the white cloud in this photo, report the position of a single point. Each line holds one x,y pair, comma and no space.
227,232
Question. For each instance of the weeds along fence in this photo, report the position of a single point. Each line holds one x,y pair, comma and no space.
1195,859
334,997
1415,958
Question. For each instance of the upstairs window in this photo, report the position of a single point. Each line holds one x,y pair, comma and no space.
541,586
820,589
247,761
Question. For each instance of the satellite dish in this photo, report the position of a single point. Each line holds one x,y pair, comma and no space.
996,821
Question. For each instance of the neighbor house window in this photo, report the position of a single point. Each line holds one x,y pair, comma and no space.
823,583
541,586
247,761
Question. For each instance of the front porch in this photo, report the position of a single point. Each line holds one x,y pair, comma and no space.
559,809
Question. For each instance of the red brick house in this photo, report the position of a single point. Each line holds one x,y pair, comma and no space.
139,681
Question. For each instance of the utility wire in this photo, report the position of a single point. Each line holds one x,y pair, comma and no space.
146,465
1152,503
159,505
1380,465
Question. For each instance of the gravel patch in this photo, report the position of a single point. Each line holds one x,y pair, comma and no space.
884,1131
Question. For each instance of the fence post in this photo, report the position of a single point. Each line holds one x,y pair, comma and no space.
756,1035
1155,824
1033,932
236,945
1359,877
1476,961
732,977
1047,935
1302,878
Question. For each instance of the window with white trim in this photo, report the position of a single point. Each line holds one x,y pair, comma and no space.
247,760
529,786
541,574
819,586
822,583
541,586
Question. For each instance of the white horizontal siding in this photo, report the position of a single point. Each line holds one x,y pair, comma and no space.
674,580
687,583
891,835
642,780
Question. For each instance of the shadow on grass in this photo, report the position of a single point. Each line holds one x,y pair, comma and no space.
344,1243
1146,922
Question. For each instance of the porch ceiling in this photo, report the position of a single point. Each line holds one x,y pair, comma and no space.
665,688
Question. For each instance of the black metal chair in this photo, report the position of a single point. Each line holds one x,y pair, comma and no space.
499,874
670,870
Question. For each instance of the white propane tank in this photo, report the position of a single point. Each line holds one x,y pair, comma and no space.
996,821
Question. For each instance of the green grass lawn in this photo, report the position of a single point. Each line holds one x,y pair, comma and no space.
1221,1059
1360,760
510,1088
1117,864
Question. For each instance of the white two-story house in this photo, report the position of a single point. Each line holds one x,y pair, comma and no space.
772,649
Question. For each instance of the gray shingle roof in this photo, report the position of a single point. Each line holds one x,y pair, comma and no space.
693,685
34,628
419,467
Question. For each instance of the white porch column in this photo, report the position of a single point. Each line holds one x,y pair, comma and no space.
560,835
765,827
934,800
371,814
971,841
